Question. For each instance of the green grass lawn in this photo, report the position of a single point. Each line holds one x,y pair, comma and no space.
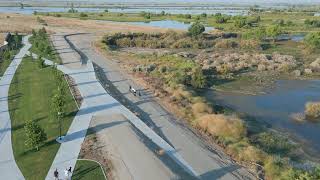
30,99
39,45
4,64
87,170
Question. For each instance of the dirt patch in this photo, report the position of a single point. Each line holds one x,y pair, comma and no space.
25,23
91,149
74,90
2,38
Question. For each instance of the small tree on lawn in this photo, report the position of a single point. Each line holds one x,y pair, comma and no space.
40,62
35,135
58,104
196,29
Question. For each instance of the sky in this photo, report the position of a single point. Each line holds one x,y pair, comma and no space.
194,1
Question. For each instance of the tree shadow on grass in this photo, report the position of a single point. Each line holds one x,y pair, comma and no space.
46,144
82,171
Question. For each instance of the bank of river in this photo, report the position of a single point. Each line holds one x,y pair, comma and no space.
276,108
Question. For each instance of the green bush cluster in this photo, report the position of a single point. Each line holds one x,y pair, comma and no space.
169,39
41,44
196,29
312,40
312,23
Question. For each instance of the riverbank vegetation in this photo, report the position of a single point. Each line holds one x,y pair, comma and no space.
291,22
179,75
312,111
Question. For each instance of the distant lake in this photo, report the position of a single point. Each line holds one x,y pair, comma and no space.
171,10
169,24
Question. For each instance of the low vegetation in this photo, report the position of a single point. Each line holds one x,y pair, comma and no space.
181,77
7,55
312,111
41,45
87,170
32,119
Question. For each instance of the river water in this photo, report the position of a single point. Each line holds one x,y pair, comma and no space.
168,24
276,107
171,10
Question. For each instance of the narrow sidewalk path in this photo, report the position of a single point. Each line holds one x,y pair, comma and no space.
8,166
97,102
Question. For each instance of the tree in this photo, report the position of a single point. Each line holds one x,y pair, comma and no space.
83,15
106,10
221,19
273,31
196,29
198,80
163,13
188,16
35,135
312,40
40,62
58,104
204,15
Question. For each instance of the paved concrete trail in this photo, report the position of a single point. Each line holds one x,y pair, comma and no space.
140,163
206,162
8,166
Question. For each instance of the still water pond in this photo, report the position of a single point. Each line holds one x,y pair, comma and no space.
276,107
168,24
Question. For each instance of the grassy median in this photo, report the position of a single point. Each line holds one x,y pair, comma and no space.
30,99
87,170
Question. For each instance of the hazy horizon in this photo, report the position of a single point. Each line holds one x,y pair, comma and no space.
181,1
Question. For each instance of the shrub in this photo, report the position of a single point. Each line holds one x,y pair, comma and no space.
221,19
221,126
187,16
226,44
35,134
312,110
312,40
83,15
273,31
196,29
198,80
201,108
272,143
250,44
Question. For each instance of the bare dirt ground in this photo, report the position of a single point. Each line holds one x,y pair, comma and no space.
25,24
2,37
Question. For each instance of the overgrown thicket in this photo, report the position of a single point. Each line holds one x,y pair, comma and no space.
170,39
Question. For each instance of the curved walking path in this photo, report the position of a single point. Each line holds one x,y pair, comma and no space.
97,102
8,166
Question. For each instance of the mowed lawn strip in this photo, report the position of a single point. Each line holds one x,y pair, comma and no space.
30,98
87,170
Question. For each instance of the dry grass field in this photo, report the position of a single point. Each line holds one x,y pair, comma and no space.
25,23
2,37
